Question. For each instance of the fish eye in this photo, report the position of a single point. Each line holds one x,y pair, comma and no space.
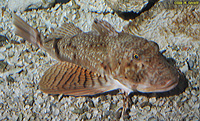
135,56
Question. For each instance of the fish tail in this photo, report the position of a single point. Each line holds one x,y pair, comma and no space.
26,31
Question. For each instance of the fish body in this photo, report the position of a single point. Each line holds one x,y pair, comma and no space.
100,60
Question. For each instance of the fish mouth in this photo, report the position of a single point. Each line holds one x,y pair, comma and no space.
170,84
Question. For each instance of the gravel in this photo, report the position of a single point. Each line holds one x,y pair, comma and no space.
22,66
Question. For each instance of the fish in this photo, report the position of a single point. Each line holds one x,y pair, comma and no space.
99,61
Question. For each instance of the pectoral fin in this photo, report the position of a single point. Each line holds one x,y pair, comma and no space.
70,79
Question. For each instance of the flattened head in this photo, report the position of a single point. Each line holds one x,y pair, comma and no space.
149,71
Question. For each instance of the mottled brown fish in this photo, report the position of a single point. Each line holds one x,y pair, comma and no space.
100,60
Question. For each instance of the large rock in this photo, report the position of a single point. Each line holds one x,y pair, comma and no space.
168,22
126,5
22,5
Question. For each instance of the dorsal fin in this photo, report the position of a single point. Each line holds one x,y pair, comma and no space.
103,28
66,29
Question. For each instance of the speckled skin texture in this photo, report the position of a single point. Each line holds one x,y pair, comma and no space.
122,60
23,66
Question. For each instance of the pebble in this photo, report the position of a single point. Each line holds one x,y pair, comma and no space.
2,57
191,63
3,40
184,68
152,100
2,49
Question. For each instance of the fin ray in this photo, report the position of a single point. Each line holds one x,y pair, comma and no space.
71,79
66,29
103,28
26,31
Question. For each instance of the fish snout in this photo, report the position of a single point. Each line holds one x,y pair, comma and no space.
160,78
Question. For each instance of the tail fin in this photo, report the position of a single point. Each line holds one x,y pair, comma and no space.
26,31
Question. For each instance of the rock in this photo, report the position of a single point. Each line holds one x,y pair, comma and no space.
126,5
22,5
62,1
167,22
3,40
3,66
2,57
10,79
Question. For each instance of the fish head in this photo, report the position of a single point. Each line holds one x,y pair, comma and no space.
145,69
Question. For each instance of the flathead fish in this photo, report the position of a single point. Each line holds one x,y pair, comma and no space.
100,60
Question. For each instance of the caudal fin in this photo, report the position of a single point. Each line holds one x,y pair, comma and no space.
26,31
